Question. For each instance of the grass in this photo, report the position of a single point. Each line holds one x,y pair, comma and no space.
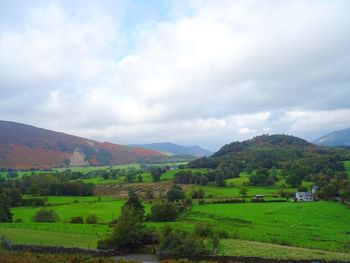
28,257
319,225
106,210
235,247
49,238
347,167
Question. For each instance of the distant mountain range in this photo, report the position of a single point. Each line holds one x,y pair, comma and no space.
336,138
23,146
175,149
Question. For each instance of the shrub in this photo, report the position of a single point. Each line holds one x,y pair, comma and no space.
181,243
203,230
91,219
77,220
19,220
164,212
34,202
44,215
128,233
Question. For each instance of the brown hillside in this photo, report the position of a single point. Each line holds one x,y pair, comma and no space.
24,146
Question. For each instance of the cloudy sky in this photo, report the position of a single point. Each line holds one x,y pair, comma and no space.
189,72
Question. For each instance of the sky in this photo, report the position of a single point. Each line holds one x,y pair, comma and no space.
189,72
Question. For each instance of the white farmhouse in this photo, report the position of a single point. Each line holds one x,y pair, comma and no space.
304,196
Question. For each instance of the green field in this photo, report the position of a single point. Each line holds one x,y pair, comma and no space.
106,210
236,247
347,167
320,225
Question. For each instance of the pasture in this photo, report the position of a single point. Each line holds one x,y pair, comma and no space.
347,167
320,225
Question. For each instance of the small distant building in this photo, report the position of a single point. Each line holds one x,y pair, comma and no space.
258,196
304,196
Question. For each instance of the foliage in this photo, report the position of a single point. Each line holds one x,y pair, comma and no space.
77,220
128,233
175,194
5,212
91,219
164,212
135,202
180,242
46,215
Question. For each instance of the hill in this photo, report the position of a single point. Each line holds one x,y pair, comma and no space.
23,146
175,149
271,151
336,138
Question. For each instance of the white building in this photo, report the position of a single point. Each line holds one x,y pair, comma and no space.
304,196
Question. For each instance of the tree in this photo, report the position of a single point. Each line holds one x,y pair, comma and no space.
220,180
181,243
175,194
91,219
45,215
128,233
5,211
164,212
293,180
77,220
156,173
135,202
243,192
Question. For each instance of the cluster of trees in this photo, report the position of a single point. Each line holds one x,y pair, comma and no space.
187,177
130,232
262,177
47,184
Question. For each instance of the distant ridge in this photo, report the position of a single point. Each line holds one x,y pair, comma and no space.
175,149
336,138
24,146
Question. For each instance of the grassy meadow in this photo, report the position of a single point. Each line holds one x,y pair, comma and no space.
303,230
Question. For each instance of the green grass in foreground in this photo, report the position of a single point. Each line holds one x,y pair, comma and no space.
50,238
236,247
319,225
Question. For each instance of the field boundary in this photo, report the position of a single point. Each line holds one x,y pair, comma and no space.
240,259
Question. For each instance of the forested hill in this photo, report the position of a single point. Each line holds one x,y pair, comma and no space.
270,151
24,146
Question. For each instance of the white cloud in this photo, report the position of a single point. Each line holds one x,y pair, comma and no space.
217,71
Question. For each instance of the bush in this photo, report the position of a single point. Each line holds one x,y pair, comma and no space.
204,230
128,234
19,220
91,219
164,212
34,202
77,220
44,215
181,243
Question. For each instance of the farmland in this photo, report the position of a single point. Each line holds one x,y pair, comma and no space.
278,229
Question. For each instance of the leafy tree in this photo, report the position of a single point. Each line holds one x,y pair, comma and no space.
243,192
164,212
181,243
220,179
135,202
175,194
128,233
5,211
45,215
293,180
